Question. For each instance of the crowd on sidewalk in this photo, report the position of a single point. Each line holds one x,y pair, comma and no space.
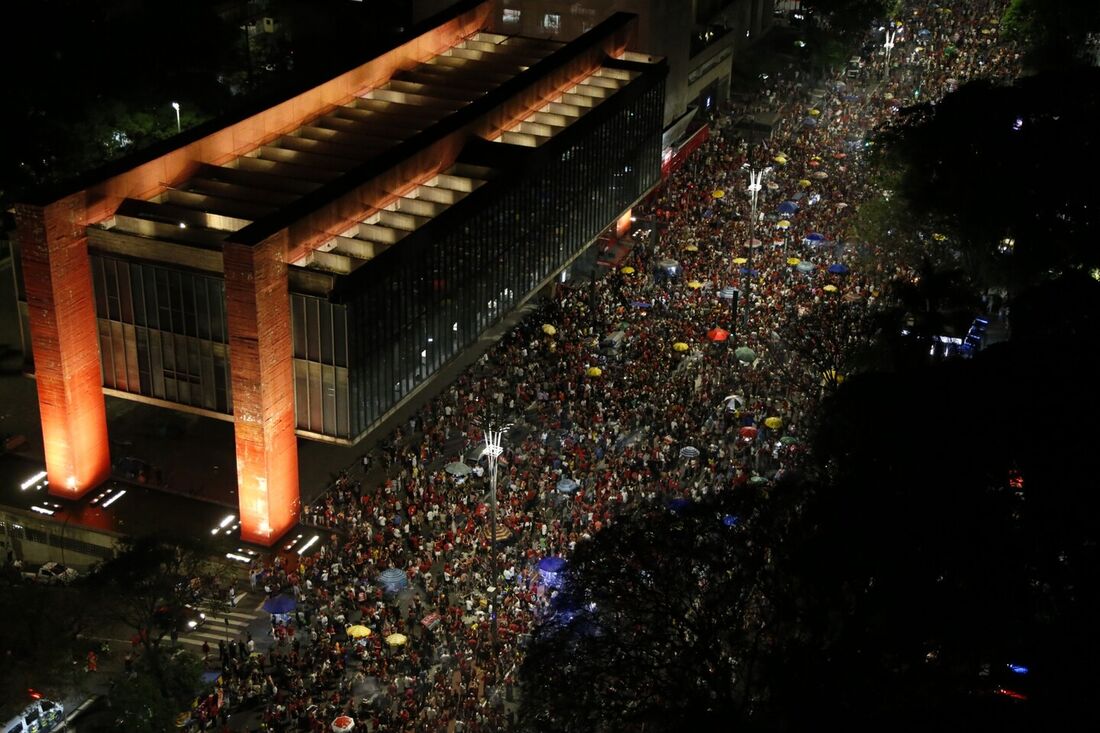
600,430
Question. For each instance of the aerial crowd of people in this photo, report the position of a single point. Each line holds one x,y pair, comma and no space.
669,409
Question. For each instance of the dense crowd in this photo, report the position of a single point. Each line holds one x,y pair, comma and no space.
639,421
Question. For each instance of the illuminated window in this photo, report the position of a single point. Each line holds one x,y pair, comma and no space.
551,22
511,15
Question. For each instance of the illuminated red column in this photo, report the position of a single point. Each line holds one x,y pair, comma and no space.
260,356
65,342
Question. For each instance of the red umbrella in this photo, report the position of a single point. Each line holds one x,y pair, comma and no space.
748,432
718,334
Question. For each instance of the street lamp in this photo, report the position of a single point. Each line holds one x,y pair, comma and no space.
176,106
753,190
889,47
493,449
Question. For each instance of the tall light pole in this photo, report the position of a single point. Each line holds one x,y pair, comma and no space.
176,106
889,47
493,449
753,190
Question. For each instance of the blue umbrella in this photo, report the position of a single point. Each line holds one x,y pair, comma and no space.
689,451
838,269
552,564
567,486
787,207
809,121
747,271
804,266
280,604
393,580
814,237
730,520
924,33
640,304
678,505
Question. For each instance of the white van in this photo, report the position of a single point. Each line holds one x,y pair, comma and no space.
38,717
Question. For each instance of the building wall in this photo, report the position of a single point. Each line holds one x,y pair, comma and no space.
36,541
434,295
162,332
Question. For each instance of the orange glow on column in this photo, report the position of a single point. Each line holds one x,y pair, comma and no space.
622,226
65,342
258,310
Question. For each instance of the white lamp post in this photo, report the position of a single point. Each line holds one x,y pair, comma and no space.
176,106
493,449
753,190
889,47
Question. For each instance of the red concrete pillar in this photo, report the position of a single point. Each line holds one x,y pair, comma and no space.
57,278
260,357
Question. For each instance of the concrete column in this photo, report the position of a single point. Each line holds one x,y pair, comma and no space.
65,342
261,365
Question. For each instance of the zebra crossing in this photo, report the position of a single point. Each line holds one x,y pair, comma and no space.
224,625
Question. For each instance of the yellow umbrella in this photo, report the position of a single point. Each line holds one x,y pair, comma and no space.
780,159
830,288
548,329
815,112
938,237
804,183
783,224
594,371
358,631
774,423
739,260
628,270
691,248
396,639
792,261
695,284
680,346
718,194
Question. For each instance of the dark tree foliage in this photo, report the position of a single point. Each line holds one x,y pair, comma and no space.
1055,33
848,18
958,534
1006,168
664,624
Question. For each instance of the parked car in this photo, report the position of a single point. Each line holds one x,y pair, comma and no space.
53,573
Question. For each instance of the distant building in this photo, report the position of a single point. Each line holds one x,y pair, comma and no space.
304,268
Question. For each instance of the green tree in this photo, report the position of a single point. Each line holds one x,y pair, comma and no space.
144,705
1056,34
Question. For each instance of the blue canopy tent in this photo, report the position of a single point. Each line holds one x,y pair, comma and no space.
280,604
551,570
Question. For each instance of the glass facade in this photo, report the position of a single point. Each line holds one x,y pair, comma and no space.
162,332
320,334
433,294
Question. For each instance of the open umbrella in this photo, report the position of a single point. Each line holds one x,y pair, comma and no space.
838,269
750,273
694,284
814,238
393,580
783,224
733,402
804,183
457,468
396,639
780,159
830,288
689,451
787,207
718,194
820,175
809,121
745,354
548,329
757,481
840,156
640,304
804,266
815,112
788,440
718,334
727,293
739,260
748,432
793,261
594,371
773,423
628,270
691,248
358,631
280,604
343,724
680,346
567,486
